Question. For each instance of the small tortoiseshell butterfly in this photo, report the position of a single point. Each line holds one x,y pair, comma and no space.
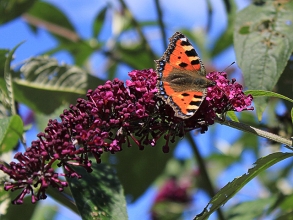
182,81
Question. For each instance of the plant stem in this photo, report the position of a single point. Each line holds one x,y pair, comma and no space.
259,132
204,173
53,28
161,23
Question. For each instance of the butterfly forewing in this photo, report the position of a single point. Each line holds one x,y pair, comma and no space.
181,77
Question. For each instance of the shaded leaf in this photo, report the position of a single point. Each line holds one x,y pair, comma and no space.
229,190
259,93
5,200
19,212
285,202
4,104
46,11
99,21
287,216
47,85
65,198
129,26
284,85
8,80
11,129
256,209
263,44
292,115
168,210
98,195
3,89
111,70
3,53
250,141
11,9
148,23
133,163
223,160
3,57
44,212
80,50
41,120
134,55
55,21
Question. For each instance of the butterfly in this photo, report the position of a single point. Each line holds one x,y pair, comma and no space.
182,81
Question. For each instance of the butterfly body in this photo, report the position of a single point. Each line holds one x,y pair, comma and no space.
182,81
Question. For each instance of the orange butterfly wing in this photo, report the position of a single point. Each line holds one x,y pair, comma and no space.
181,77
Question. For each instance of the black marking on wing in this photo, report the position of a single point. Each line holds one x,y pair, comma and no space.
182,64
191,53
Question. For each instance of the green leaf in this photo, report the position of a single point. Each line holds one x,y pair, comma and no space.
3,89
129,26
45,211
19,212
228,191
111,69
8,79
3,57
260,93
285,202
168,210
256,209
3,53
41,120
98,195
4,105
50,13
283,86
134,163
80,50
11,9
232,116
65,199
263,43
46,85
133,56
261,104
287,216
11,129
292,115
99,21
224,159
55,21
250,141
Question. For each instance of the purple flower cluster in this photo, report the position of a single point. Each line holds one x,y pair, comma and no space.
176,193
173,191
113,115
225,96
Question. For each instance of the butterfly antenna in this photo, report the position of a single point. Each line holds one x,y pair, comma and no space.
229,66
